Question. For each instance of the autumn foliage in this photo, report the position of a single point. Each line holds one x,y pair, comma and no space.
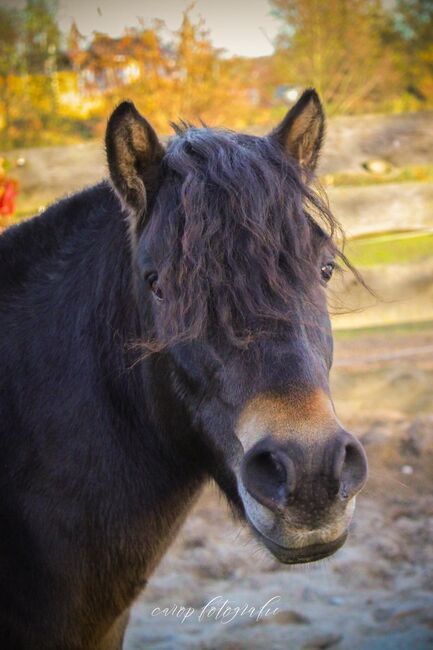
361,55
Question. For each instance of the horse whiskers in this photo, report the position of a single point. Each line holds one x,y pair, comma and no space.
389,477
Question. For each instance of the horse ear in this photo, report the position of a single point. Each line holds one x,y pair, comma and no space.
134,155
301,132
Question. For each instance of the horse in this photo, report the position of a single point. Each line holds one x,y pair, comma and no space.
163,328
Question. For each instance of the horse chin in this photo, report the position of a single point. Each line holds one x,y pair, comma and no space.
303,554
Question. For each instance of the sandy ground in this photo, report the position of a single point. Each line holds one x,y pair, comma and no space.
376,592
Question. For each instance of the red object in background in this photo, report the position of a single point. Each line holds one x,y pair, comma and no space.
8,195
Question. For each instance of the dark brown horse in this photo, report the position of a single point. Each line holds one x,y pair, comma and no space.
153,336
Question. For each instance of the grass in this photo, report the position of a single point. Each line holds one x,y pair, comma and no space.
27,210
411,173
416,327
395,248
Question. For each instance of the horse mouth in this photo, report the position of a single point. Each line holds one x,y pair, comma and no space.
302,555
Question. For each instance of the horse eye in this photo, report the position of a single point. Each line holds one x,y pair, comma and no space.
327,270
152,281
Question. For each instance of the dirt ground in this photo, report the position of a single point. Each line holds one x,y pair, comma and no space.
377,591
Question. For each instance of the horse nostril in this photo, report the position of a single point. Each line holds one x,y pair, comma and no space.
349,466
268,475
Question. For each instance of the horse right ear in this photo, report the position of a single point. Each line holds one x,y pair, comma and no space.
134,156
300,134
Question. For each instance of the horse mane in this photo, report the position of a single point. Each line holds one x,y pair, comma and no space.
232,227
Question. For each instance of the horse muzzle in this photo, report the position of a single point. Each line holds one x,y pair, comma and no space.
300,555
300,500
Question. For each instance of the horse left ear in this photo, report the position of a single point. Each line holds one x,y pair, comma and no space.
134,156
301,132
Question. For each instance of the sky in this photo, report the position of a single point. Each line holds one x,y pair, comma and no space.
243,27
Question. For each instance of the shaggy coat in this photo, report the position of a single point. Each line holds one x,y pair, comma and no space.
147,323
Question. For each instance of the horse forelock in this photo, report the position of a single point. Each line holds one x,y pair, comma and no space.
234,225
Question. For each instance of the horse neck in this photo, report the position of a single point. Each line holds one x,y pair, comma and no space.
75,263
155,426
160,461
113,439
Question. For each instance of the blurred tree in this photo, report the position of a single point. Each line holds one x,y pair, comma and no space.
410,32
208,86
75,51
183,76
41,35
143,46
100,60
29,49
195,67
335,46
9,58
115,62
